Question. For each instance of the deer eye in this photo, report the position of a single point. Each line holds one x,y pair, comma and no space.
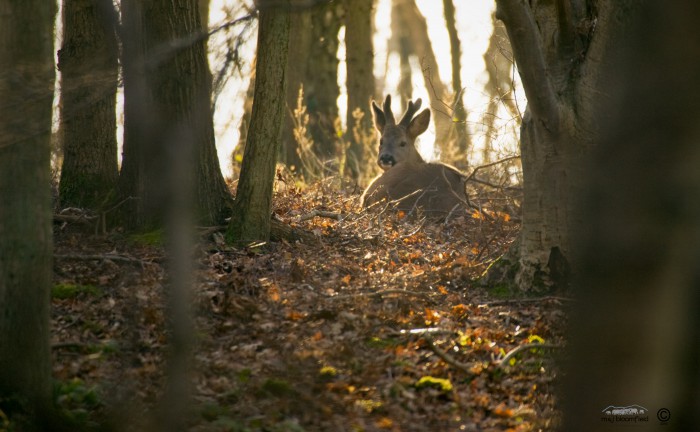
403,144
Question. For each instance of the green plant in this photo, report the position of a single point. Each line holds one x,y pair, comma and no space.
65,291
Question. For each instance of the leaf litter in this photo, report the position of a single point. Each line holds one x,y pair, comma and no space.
380,325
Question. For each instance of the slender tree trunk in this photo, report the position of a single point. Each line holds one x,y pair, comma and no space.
27,88
400,43
636,336
167,110
360,75
499,87
460,113
88,64
437,92
237,154
250,220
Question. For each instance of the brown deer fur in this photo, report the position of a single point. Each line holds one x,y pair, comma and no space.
408,182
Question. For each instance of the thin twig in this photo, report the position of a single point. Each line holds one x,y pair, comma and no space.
488,165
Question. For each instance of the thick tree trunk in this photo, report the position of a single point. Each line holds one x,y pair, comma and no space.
88,64
297,63
559,56
250,220
27,87
360,76
636,336
321,77
167,112
313,64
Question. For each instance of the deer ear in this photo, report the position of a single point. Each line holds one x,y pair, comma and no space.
419,124
379,119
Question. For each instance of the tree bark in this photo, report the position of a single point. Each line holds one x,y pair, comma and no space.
401,43
313,64
360,75
636,331
27,87
321,77
499,87
250,220
167,112
459,119
88,64
417,27
557,129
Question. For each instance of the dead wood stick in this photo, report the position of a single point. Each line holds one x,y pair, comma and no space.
379,294
105,257
527,300
444,356
320,213
517,350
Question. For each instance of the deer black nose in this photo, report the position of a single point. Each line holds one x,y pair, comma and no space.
386,159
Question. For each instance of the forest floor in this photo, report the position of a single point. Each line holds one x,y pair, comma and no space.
379,325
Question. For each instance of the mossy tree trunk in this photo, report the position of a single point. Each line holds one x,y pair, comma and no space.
88,64
251,216
26,270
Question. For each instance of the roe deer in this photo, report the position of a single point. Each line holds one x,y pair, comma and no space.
409,181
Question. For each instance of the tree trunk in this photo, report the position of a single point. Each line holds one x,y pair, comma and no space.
237,154
297,63
167,112
460,113
400,43
88,64
636,336
321,77
559,56
250,220
313,64
417,27
360,76
499,87
27,87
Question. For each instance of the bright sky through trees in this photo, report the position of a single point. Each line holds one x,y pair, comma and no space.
474,26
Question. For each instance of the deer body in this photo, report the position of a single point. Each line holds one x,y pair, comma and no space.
408,181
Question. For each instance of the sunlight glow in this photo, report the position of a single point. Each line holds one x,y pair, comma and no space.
474,27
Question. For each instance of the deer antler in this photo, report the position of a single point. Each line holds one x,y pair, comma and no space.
410,111
387,111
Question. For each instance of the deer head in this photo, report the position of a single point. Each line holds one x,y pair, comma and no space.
397,142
